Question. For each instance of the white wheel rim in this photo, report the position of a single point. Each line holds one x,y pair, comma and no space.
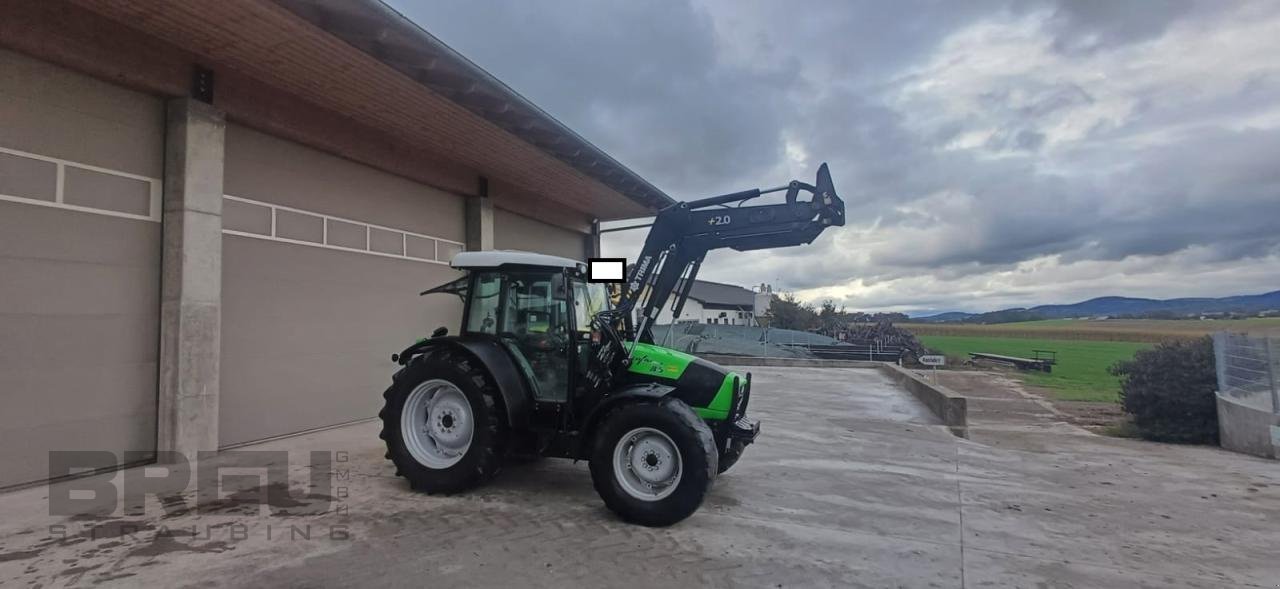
437,424
647,464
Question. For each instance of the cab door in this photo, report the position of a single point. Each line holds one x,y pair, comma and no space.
534,321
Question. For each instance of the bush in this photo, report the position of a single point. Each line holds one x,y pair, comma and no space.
1169,391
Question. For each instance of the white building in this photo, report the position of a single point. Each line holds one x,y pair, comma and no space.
720,304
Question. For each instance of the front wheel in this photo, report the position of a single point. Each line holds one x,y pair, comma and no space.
653,464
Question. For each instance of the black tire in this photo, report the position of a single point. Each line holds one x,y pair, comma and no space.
483,459
698,466
732,452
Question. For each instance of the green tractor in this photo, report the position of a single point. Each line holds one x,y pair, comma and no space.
551,363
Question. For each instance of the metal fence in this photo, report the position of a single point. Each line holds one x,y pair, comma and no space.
741,340
744,340
1249,368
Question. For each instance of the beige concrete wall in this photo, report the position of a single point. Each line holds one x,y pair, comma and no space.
1247,429
516,232
79,296
308,333
266,168
79,289
308,328
58,113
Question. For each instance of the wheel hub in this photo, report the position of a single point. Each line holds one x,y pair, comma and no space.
647,464
436,424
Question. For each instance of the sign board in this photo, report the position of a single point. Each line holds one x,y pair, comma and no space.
933,360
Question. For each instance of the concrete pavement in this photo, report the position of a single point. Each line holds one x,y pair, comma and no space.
852,484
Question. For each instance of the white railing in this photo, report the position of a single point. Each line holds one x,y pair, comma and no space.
324,242
59,201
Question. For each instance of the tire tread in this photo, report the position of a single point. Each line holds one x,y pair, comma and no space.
694,485
490,458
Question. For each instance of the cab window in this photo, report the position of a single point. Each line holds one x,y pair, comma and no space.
589,298
483,317
532,304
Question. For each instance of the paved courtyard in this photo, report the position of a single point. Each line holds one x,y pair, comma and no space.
852,484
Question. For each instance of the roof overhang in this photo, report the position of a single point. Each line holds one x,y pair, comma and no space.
499,258
364,60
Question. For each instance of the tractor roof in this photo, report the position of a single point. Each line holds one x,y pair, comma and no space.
496,258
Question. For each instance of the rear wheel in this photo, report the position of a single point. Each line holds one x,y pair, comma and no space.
653,464
441,424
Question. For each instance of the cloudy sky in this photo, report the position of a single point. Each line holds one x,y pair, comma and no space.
991,153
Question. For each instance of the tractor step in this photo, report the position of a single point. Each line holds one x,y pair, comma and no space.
745,428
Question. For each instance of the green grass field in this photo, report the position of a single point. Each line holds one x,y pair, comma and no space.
1120,330
1081,372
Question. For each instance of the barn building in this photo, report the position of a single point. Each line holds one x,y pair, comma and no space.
215,217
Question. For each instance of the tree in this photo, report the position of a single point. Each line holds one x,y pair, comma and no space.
890,318
785,312
830,319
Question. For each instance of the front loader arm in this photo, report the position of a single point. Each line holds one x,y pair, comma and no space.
683,233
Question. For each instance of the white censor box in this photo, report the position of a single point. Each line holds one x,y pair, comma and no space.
606,269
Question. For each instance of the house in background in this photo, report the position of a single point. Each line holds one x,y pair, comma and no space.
716,303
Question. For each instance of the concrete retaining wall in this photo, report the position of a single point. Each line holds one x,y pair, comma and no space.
950,407
1246,429
728,360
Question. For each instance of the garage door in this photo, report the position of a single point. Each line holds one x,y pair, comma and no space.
80,162
516,232
323,260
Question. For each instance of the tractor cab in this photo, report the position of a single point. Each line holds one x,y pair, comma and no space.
539,307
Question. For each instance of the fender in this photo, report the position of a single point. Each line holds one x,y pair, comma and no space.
643,392
511,384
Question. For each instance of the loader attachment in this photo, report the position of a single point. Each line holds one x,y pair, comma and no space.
683,233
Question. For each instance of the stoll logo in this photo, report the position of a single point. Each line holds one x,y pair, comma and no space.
237,483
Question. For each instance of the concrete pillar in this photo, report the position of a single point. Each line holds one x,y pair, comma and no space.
479,229
191,279
592,246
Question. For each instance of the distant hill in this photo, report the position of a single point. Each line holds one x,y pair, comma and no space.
1119,306
953,316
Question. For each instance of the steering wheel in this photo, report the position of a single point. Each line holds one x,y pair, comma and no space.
545,342
537,341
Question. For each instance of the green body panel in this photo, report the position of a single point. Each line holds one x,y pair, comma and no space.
657,361
664,364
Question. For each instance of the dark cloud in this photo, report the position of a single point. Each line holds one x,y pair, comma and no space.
990,152
1089,25
643,80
